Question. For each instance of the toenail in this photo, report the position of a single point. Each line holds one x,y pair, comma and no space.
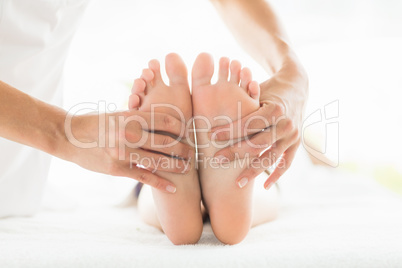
242,182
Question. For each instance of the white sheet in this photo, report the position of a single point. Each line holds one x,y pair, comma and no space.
328,219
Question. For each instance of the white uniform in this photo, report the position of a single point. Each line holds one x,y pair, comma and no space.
35,36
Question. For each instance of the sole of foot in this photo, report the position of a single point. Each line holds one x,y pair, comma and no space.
179,214
230,98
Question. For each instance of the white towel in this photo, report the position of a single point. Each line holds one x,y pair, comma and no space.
329,219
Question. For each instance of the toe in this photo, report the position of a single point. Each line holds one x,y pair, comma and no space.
235,68
176,70
203,69
254,90
224,68
156,69
245,78
133,101
138,86
148,75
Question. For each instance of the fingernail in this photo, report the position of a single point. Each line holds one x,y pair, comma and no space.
269,185
171,189
221,159
242,182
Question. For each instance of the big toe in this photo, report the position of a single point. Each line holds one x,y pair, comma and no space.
203,69
176,69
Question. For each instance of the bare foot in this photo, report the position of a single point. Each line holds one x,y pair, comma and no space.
230,207
179,214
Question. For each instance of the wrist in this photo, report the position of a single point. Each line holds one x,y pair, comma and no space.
76,133
288,86
284,63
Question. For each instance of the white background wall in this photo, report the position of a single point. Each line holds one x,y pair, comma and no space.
350,48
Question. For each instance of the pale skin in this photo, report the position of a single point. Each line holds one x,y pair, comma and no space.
281,104
282,96
232,210
178,215
46,127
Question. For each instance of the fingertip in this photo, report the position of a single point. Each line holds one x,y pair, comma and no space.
170,189
268,184
242,182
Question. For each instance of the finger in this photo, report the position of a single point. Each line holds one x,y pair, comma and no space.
268,114
157,162
167,145
250,147
287,159
155,122
262,163
149,178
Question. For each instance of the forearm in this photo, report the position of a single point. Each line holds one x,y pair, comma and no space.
259,31
29,121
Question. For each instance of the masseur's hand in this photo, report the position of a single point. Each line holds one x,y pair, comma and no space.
280,117
124,144
257,28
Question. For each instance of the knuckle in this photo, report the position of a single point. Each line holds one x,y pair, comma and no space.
113,153
231,153
279,109
297,133
253,172
178,169
288,125
165,141
222,135
158,184
144,178
168,121
113,168
268,139
295,136
254,150
277,151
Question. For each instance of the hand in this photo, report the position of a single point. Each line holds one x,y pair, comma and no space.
271,135
125,144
